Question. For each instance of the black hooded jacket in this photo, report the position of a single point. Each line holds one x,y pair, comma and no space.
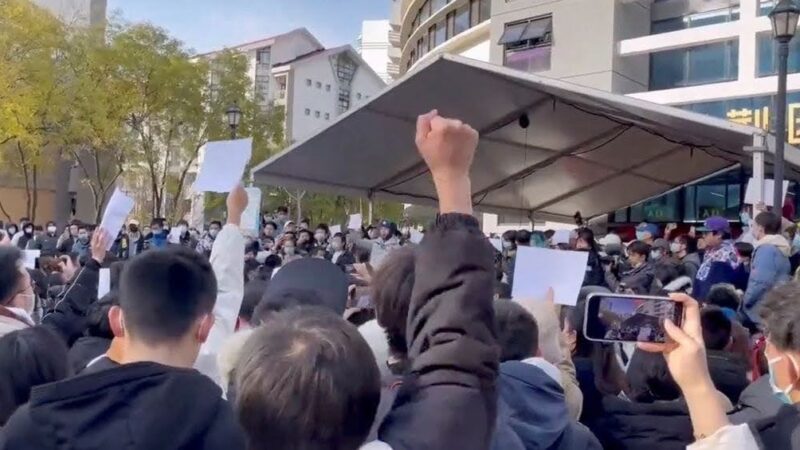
660,425
140,406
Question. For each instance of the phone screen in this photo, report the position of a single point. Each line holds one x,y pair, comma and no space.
629,318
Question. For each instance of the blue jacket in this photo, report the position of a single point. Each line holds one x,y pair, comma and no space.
770,267
157,240
532,413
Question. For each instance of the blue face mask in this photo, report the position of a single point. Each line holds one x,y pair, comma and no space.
782,394
640,235
745,218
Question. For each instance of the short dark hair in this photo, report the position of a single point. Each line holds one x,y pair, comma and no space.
716,328
770,221
162,293
723,295
305,220
282,209
650,379
272,224
10,274
392,285
215,222
340,236
272,303
28,358
253,291
324,227
744,249
523,237
510,235
97,323
314,355
639,247
517,331
780,315
689,242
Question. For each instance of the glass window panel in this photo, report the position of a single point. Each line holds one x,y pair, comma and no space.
621,215
536,59
462,19
689,208
733,205
667,25
637,214
425,11
667,69
475,13
711,201
661,209
766,49
486,10
451,24
431,37
437,5
707,64
441,33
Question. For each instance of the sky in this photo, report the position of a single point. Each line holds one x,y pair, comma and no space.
207,25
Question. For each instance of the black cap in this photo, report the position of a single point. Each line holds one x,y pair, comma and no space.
312,281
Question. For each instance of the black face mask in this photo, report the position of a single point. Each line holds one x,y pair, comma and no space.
133,228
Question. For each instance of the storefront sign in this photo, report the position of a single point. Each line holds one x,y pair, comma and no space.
760,117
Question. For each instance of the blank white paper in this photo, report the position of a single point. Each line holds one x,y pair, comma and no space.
223,165
117,210
537,269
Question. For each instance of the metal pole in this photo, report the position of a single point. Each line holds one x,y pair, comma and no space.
780,124
371,206
233,131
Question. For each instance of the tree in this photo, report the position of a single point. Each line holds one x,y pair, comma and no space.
31,92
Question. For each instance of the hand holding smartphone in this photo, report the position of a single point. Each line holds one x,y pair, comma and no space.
629,318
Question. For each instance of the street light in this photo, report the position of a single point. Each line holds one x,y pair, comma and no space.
234,117
784,25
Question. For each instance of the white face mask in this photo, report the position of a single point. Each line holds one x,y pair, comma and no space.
675,247
319,237
51,229
288,250
183,229
213,232
261,257
655,254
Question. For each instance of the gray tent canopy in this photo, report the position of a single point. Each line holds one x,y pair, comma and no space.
583,149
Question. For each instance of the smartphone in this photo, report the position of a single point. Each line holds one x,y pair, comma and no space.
629,318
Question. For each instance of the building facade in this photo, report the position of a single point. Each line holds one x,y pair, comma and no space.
373,46
715,57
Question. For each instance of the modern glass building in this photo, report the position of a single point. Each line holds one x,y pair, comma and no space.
715,57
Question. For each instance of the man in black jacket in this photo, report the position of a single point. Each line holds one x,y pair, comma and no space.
153,399
449,398
46,242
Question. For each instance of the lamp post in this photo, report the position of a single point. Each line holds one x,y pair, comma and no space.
234,115
784,24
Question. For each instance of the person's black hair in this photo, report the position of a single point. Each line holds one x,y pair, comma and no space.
770,221
523,237
392,285
306,231
587,235
666,273
272,262
40,282
273,224
649,378
548,234
324,227
640,248
305,220
28,358
744,249
50,222
253,292
215,222
83,226
97,323
689,242
162,293
182,222
724,296
273,303
716,328
361,255
306,380
10,275
780,316
510,236
282,209
517,331
340,236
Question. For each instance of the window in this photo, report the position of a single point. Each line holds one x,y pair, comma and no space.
425,11
345,72
659,209
699,19
316,114
451,24
438,4
327,88
263,55
308,81
431,37
319,85
461,20
474,12
767,52
527,45
765,6
308,112
327,116
693,66
441,33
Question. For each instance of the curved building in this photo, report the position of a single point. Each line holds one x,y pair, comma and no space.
423,28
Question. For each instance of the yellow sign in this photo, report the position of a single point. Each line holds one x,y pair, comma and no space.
760,118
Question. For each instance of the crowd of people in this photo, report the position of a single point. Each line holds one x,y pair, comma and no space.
300,338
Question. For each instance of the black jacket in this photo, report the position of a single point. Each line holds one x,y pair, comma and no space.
449,400
640,280
45,243
661,425
533,414
595,274
141,406
68,319
84,350
781,431
756,402
728,372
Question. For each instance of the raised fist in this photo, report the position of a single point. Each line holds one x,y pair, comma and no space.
447,146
